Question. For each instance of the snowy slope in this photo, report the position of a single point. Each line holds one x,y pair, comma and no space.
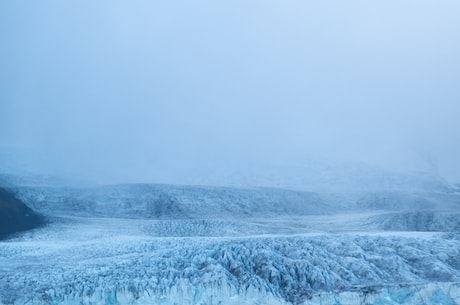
171,202
317,175
157,201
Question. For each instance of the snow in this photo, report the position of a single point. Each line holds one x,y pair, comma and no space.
106,259
157,244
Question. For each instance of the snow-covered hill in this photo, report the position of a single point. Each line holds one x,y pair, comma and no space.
157,201
316,175
171,202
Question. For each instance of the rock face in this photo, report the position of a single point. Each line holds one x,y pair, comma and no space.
15,216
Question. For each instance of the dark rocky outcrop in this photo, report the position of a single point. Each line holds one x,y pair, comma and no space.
15,216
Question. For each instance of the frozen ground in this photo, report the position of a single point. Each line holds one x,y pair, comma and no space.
154,244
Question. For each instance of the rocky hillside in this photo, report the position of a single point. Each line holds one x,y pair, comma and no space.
15,216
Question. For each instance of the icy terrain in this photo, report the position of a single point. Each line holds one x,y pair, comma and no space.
166,244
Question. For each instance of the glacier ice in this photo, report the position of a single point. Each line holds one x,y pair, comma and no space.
157,244
294,270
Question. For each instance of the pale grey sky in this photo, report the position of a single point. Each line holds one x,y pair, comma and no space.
130,90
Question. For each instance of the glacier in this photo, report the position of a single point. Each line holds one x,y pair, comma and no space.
174,244
95,268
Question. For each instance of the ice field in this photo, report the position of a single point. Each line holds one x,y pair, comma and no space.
169,244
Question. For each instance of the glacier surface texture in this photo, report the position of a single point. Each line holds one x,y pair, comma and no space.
163,244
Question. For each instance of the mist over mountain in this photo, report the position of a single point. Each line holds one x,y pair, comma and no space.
229,152
150,92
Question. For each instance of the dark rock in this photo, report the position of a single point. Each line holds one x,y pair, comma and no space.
15,216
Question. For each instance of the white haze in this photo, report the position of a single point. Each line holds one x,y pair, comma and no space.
117,91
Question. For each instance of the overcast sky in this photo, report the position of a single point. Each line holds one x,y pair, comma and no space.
128,90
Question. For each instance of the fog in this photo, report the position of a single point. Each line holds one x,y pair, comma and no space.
122,91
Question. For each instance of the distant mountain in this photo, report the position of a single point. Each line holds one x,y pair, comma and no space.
9,180
315,176
319,176
15,216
